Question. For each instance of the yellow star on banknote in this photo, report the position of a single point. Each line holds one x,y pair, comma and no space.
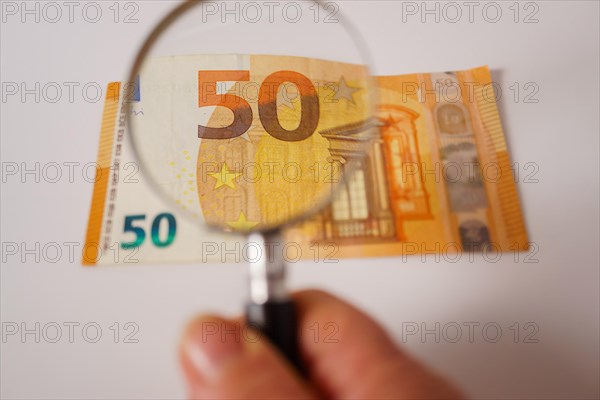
242,224
343,91
245,135
225,177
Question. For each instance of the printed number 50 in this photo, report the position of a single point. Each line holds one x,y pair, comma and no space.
267,105
140,232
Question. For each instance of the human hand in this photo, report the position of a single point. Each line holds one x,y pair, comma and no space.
223,359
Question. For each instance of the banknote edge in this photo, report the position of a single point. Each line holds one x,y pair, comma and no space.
510,207
91,247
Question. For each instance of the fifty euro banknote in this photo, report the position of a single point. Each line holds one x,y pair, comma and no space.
436,178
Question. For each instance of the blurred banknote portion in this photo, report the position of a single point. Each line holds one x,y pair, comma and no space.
437,177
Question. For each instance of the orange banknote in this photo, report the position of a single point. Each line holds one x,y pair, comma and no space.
436,178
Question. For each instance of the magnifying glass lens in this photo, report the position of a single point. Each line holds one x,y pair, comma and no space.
250,124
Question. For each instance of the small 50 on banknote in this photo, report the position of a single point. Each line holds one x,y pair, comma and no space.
437,177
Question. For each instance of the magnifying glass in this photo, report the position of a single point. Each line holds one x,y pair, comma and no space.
254,115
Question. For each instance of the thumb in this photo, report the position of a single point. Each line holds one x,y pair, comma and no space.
226,359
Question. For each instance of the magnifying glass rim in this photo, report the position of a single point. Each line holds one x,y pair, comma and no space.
147,46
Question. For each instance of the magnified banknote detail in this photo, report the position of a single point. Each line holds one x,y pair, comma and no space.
252,126
432,175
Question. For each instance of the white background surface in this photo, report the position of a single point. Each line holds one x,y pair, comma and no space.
560,293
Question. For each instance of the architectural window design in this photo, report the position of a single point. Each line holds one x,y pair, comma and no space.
351,203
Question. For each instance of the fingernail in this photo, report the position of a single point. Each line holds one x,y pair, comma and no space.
211,343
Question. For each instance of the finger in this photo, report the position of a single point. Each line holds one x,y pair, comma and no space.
224,359
353,358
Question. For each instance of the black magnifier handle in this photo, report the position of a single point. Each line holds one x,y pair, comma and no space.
270,310
277,322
